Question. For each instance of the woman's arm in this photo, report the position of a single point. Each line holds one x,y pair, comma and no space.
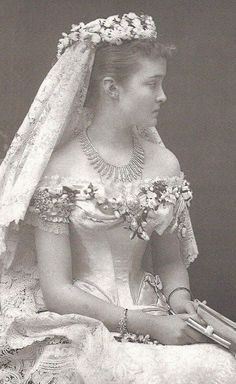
60,295
55,268
168,264
167,260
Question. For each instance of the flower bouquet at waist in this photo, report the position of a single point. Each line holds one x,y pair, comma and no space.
219,328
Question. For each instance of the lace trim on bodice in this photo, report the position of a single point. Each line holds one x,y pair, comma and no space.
58,228
159,204
56,197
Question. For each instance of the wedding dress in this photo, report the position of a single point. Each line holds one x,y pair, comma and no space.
42,347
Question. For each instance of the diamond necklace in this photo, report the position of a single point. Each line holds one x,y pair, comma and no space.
131,171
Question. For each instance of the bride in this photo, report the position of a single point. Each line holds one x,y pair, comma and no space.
95,231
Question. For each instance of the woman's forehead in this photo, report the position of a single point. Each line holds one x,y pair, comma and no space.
151,67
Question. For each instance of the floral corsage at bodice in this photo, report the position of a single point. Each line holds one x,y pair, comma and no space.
157,203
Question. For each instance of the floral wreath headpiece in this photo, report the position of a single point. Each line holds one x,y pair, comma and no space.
113,30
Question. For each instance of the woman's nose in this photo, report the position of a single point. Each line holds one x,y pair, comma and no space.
161,97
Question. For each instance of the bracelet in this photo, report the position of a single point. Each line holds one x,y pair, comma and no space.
132,337
178,289
123,323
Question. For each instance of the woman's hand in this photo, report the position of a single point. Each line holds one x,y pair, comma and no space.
180,302
175,330
183,305
170,329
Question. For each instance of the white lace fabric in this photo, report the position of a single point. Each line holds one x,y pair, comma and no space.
73,349
58,104
39,347
56,198
44,347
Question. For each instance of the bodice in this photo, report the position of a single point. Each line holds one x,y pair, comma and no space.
109,227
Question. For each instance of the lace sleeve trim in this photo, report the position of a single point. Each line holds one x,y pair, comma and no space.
188,245
58,228
51,206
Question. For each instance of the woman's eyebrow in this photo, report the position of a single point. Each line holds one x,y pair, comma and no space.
156,76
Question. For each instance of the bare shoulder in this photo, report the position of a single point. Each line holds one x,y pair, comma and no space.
161,161
171,162
66,160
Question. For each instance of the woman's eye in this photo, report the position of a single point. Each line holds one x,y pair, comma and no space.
152,85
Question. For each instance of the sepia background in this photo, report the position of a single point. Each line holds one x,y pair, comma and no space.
197,123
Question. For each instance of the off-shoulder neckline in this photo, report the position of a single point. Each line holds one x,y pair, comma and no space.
63,180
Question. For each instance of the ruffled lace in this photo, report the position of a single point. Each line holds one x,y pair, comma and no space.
76,348
58,228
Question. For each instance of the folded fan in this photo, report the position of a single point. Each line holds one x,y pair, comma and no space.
219,328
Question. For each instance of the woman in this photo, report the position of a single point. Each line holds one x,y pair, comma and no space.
104,211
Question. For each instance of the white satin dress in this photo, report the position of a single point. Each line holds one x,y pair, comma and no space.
41,347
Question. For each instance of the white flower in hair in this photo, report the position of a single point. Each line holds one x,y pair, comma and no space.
138,31
136,23
131,15
93,26
124,23
76,28
95,38
111,20
147,34
149,20
113,30
106,32
74,36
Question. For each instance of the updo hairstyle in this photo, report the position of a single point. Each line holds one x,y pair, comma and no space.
121,61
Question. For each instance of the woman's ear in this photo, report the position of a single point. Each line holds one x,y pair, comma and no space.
110,87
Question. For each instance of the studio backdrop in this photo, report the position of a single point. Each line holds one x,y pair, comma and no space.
198,121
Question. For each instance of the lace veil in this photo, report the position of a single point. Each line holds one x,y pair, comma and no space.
57,105
55,114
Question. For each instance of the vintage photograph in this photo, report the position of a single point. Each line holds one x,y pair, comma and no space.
117,192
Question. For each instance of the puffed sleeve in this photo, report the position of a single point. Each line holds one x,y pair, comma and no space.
50,210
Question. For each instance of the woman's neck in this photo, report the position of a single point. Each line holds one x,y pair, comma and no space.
109,130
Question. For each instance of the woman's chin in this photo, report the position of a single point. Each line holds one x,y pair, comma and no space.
152,122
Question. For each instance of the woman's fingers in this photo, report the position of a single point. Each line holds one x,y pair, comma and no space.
184,316
193,334
191,309
178,330
190,335
194,316
196,336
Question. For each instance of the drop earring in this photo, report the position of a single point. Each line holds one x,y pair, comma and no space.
115,95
